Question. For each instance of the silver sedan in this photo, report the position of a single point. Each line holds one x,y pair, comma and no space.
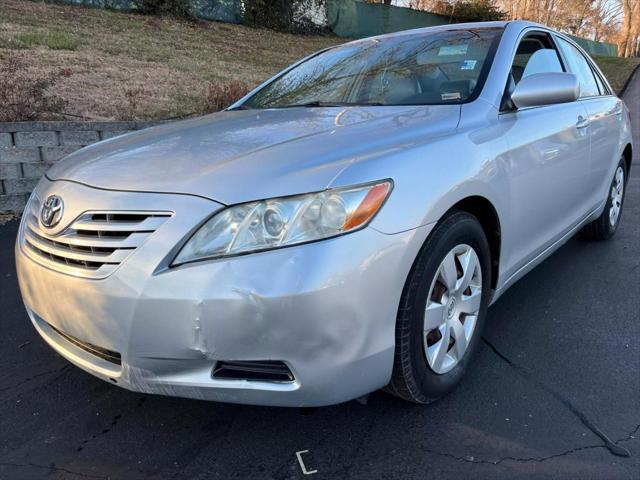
342,228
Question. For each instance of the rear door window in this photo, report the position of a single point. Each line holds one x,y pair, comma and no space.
579,66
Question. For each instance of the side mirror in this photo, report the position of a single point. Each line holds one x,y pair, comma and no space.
546,89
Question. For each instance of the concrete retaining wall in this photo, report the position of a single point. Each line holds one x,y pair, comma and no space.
28,149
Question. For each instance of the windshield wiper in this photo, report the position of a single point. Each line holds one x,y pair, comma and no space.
240,107
312,104
318,103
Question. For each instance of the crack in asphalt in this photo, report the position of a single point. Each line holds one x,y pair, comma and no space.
471,459
468,459
524,372
52,467
212,431
114,421
33,377
360,445
104,431
631,436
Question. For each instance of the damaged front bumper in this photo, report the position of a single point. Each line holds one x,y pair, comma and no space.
326,310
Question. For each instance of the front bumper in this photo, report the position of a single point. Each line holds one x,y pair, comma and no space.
325,309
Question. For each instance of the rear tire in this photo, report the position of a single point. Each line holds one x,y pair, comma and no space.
605,226
429,362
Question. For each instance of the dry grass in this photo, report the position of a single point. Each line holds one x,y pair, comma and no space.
112,65
164,66
26,95
221,95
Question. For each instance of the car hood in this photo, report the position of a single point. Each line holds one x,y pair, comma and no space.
239,156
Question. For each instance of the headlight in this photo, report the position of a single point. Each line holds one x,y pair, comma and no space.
280,222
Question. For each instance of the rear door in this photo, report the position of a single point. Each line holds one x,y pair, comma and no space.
604,112
548,158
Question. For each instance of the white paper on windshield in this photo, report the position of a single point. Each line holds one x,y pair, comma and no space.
468,65
451,96
460,49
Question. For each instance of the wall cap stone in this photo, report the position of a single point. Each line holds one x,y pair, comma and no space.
12,127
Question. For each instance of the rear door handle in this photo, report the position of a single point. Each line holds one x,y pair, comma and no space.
582,122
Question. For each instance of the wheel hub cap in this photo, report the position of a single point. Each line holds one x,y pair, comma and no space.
617,193
452,308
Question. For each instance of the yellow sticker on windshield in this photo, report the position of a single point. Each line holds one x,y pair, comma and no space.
451,96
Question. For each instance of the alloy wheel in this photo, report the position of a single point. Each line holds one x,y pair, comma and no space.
452,308
617,192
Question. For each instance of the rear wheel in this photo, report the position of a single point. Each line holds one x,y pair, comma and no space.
607,223
442,310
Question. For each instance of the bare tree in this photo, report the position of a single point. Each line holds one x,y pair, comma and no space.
596,19
616,21
630,28
607,19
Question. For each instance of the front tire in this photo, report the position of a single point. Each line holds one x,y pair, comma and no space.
603,227
442,310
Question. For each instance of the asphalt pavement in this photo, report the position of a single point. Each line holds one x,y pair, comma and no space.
556,378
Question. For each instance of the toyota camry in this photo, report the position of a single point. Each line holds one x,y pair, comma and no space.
342,228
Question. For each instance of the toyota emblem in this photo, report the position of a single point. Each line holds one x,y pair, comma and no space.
51,212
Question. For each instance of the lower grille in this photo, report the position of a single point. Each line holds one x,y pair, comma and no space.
260,371
103,353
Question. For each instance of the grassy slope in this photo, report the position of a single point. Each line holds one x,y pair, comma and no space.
617,70
101,54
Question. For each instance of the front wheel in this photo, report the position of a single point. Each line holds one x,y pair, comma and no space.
603,227
442,310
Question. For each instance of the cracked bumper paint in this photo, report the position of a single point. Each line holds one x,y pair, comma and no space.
326,309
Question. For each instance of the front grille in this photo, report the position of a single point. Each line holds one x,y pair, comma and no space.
261,371
93,245
103,353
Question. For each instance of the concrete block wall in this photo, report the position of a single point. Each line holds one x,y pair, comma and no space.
28,149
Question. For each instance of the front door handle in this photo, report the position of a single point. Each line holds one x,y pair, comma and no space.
582,122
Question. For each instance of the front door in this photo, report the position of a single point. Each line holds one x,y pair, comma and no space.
548,159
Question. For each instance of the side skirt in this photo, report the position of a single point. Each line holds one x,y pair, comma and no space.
526,268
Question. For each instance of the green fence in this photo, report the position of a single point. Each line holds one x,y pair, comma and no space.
350,18
346,18
597,48
356,19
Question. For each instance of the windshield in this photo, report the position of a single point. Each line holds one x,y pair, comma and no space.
446,67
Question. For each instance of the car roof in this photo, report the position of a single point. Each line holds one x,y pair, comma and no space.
449,27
